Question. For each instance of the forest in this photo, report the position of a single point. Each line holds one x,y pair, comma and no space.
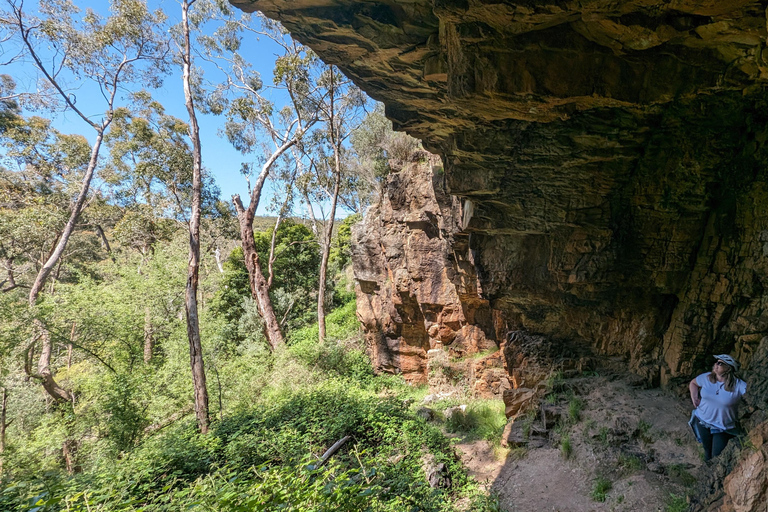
163,347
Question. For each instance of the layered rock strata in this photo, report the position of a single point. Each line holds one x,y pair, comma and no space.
613,156
405,271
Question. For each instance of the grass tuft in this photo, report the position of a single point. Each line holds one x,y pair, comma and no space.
575,407
600,488
483,419
676,503
630,463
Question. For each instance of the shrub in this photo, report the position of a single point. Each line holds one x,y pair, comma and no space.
644,431
602,436
679,473
600,488
259,459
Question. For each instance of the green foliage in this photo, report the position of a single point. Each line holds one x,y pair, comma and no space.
483,419
555,383
528,420
342,324
575,405
127,419
676,503
261,459
341,246
600,488
644,431
293,289
679,473
602,436
630,463
565,447
227,302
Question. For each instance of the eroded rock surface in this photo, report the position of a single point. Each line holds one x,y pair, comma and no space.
406,270
612,156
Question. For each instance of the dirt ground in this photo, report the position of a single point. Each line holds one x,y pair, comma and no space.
636,439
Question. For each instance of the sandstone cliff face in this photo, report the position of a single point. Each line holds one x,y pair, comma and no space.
613,153
406,270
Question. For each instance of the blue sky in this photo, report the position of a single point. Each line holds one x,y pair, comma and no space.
219,156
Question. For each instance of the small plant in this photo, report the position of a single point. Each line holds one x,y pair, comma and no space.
517,453
644,431
574,409
565,447
600,488
679,473
487,503
484,419
630,463
602,436
676,503
528,420
555,381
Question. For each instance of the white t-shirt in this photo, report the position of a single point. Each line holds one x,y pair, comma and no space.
719,407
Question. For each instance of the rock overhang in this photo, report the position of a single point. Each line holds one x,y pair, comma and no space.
610,151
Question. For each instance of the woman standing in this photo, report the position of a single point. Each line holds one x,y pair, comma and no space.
716,396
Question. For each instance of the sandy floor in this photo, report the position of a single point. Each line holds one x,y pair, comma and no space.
635,438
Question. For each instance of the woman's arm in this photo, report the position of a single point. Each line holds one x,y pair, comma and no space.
694,389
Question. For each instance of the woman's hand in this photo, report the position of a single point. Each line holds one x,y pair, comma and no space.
695,393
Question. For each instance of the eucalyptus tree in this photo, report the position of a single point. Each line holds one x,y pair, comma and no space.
257,125
36,184
149,173
339,111
67,48
193,270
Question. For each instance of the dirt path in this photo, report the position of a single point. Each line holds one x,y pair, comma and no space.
635,440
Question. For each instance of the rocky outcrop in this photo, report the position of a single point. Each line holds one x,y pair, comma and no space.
612,155
405,274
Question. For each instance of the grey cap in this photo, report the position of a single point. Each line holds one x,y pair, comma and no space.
729,361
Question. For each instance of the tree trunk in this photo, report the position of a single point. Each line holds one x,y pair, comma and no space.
217,254
190,298
149,335
104,241
69,451
70,345
3,426
326,246
44,367
53,259
256,278
44,364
